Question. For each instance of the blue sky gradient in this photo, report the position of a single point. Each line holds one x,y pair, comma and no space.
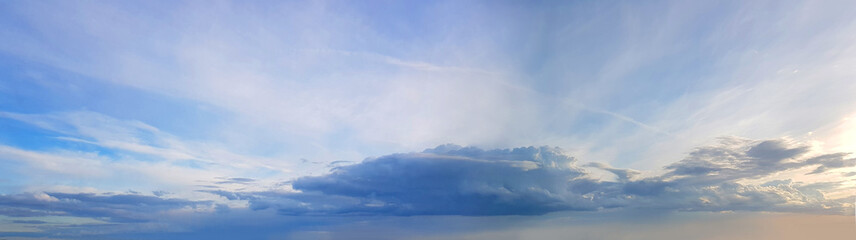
475,119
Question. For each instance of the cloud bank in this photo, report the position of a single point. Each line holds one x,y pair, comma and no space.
736,174
455,180
127,207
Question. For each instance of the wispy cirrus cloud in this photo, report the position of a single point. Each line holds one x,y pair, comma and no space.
687,80
110,154
135,137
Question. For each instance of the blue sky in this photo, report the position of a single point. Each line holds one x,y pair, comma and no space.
477,119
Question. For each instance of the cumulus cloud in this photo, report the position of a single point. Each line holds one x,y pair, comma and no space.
455,180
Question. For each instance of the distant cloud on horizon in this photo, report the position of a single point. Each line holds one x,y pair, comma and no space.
455,180
469,181
737,174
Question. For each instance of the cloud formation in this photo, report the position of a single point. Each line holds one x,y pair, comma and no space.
128,207
455,180
734,175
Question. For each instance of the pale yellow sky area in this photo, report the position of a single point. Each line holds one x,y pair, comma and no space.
728,226
740,226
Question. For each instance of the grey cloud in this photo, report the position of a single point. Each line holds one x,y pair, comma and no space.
451,180
774,151
622,174
236,180
741,158
29,221
708,178
229,195
12,211
116,208
336,164
830,161
455,180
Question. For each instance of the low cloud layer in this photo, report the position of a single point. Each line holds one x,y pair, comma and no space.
450,180
734,175
109,207
455,180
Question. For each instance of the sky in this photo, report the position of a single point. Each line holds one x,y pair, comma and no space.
427,119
